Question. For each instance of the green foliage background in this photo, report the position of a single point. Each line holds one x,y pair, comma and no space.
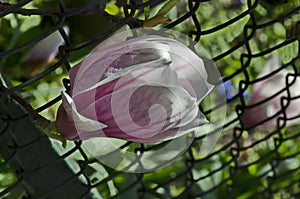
17,29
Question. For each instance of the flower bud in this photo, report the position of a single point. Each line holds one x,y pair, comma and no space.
146,89
271,109
43,53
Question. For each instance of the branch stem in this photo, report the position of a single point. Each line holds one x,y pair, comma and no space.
71,11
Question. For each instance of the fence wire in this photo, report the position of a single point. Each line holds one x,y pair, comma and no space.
251,159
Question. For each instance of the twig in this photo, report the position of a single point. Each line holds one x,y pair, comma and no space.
27,12
71,11
43,122
46,125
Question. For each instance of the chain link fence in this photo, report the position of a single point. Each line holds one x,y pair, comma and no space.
255,46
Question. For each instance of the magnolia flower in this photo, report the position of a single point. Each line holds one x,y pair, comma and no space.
43,53
146,89
272,108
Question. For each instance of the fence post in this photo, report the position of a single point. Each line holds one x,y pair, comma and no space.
40,170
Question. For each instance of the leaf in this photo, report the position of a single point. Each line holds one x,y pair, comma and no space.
167,7
147,12
112,8
133,146
30,22
159,18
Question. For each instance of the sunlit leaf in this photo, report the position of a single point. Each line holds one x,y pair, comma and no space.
112,8
167,7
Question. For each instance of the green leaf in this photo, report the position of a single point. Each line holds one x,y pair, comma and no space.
112,8
133,146
167,7
29,22
146,10
7,176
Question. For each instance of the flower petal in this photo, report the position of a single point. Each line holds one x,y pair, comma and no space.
146,109
147,89
107,64
81,123
42,53
265,89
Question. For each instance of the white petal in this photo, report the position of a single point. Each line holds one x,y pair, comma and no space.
82,123
91,70
272,64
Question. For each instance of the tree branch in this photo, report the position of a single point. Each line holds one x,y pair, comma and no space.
27,12
56,12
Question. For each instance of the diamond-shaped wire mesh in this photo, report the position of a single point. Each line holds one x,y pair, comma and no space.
256,156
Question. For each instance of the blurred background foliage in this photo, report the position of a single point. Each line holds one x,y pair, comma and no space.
168,181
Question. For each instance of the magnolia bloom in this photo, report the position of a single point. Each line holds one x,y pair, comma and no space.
272,108
43,53
146,89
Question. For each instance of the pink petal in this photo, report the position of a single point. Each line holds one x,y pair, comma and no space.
139,89
45,49
131,111
267,88
123,57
